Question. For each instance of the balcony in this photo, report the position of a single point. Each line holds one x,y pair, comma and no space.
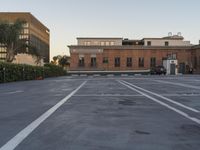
81,65
93,65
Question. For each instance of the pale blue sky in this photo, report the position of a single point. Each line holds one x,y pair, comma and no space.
68,19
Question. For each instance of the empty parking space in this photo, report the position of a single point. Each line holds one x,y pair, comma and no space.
183,94
17,110
107,113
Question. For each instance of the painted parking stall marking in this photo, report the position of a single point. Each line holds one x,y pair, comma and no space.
12,92
107,95
165,98
179,84
131,86
16,140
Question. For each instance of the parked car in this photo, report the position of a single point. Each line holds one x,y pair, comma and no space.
158,70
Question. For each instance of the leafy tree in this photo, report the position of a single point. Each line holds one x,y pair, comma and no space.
55,60
64,60
10,38
61,60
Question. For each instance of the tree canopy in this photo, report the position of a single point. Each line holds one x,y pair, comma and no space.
10,39
61,60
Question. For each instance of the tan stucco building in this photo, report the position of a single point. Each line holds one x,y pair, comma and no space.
34,32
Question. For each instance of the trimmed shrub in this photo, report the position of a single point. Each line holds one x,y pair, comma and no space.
53,70
17,72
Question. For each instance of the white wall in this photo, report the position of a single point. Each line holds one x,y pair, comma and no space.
161,42
27,59
100,42
167,65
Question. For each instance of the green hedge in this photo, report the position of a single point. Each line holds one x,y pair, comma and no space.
16,72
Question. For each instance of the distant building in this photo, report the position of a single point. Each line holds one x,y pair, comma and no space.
118,54
34,32
28,59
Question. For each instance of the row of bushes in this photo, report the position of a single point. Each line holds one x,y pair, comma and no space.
16,72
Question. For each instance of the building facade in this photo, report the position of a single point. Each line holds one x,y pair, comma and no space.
34,32
118,54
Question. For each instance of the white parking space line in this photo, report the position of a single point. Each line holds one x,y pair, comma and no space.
108,95
12,92
165,98
16,140
163,104
179,84
182,95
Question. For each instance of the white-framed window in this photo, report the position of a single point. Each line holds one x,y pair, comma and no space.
87,43
112,43
24,37
26,31
102,43
2,49
107,43
25,25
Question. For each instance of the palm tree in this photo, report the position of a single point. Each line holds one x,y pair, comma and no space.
10,38
64,60
55,59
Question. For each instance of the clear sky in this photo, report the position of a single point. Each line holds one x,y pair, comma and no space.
68,19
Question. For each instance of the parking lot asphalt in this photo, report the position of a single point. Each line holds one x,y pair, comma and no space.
101,113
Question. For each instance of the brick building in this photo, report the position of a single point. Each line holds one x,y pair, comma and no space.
34,32
118,54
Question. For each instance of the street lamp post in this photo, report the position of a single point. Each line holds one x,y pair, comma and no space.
23,73
4,74
43,75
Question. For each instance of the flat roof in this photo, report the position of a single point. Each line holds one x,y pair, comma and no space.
174,37
99,38
131,47
162,39
25,13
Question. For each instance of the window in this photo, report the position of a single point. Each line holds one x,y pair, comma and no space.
87,43
153,62
25,25
93,62
112,43
81,62
102,43
2,49
129,62
2,55
174,56
24,37
105,60
141,62
149,43
166,43
26,31
117,61
107,43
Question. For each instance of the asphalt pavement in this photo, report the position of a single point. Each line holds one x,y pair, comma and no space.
101,113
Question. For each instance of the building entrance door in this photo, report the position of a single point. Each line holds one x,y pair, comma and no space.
93,62
182,68
172,69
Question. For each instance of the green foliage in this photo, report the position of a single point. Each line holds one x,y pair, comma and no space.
10,38
64,60
61,60
52,70
18,72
